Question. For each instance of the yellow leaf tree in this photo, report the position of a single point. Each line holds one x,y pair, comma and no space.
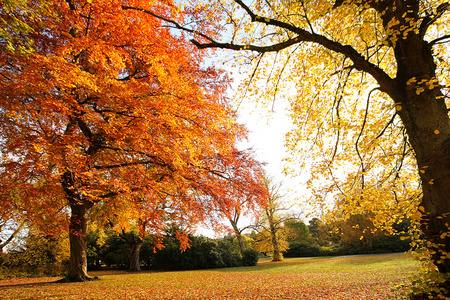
272,233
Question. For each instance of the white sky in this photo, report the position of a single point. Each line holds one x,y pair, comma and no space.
267,130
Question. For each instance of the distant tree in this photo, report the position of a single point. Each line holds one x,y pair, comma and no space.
115,251
272,219
314,225
296,230
241,176
263,243
357,231
40,253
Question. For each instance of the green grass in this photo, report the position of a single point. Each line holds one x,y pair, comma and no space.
359,277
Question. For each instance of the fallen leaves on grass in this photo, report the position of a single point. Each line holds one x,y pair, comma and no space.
340,278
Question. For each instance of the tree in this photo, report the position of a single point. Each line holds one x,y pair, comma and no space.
273,216
297,231
242,176
100,114
358,231
339,49
40,253
314,227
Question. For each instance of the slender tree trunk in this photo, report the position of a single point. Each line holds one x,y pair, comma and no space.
241,242
238,235
134,243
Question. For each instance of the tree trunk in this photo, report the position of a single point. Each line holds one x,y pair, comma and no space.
241,242
277,255
135,262
134,243
425,116
77,237
238,235
77,230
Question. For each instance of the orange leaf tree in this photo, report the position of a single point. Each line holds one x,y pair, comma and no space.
110,110
239,189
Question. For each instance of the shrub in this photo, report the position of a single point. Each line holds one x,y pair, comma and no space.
115,252
230,256
326,251
203,253
303,249
250,257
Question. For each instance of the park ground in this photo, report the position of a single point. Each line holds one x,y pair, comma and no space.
352,277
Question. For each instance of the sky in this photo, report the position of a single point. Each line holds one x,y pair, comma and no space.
267,130
266,137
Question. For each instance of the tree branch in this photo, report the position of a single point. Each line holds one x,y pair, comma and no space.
387,84
360,63
438,40
359,136
176,24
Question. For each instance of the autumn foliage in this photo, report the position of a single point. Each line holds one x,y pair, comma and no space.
111,110
368,88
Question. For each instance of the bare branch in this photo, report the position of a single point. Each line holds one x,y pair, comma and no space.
360,134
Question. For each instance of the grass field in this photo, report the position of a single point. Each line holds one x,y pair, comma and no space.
357,277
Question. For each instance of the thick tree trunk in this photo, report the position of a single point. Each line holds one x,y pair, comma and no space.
429,133
135,262
77,238
77,230
425,116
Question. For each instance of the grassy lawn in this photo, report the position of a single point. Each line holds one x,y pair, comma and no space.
358,277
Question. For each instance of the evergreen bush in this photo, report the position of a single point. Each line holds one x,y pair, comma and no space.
250,257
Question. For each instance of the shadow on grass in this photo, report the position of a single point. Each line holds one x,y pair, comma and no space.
26,282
